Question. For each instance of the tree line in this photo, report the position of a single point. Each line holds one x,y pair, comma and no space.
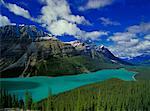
110,95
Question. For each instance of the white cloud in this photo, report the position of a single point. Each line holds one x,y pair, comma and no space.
94,35
4,21
94,4
59,9
131,51
128,43
147,37
107,21
62,27
142,28
17,10
59,20
122,36
143,46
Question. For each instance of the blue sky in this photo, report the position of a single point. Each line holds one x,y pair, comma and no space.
121,25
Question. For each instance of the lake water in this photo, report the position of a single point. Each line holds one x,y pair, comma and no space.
39,87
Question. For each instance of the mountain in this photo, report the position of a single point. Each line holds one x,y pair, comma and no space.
18,31
110,56
28,51
143,59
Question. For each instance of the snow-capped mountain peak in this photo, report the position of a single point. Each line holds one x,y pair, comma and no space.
75,43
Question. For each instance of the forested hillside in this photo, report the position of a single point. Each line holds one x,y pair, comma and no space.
110,95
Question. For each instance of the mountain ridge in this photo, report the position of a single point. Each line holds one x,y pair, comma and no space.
143,59
27,55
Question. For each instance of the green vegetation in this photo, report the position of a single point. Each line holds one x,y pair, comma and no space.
11,101
59,66
110,95
71,65
143,72
28,100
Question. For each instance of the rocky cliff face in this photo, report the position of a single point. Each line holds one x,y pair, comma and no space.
25,56
27,51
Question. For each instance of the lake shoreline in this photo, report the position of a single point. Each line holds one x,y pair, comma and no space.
135,74
61,75
65,83
134,77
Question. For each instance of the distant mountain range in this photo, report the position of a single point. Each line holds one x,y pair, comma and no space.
28,51
143,59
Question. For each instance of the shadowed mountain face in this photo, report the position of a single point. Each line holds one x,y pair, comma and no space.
28,51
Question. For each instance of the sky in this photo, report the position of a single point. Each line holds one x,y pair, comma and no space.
121,25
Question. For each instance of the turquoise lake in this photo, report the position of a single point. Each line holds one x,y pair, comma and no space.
39,87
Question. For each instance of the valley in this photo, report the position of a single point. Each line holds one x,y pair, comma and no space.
40,72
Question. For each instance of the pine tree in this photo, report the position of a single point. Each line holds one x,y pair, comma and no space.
49,102
28,100
21,104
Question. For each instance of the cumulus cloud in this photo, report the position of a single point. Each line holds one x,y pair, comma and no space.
94,4
59,20
4,21
128,43
62,27
107,21
59,9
